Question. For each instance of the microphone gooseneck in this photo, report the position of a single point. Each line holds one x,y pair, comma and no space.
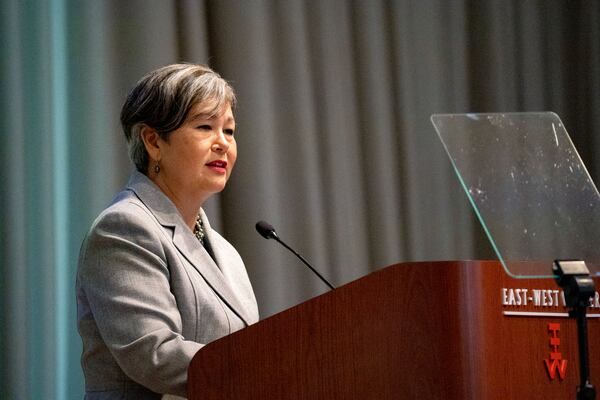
267,231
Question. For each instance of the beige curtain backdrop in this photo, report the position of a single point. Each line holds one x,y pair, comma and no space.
336,149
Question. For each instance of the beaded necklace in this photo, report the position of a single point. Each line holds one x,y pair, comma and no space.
199,230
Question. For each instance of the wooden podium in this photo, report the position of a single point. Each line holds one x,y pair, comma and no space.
427,330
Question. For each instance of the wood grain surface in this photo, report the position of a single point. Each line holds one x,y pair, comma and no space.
428,330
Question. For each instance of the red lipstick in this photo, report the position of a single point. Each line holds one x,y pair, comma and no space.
219,166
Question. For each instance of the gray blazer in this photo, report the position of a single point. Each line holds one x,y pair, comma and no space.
149,296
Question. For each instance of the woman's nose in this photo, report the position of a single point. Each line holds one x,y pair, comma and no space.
220,144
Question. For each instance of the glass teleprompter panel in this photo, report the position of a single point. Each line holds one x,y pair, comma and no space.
528,186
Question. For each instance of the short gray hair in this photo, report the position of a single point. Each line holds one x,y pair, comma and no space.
163,99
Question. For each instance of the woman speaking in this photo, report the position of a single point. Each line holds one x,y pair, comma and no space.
154,281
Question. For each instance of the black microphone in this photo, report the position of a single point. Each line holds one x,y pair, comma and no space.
267,231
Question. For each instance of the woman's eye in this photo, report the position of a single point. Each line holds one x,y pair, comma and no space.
205,127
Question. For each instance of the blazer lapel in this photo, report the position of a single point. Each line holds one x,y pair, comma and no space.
184,240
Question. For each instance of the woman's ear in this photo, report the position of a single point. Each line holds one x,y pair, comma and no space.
151,138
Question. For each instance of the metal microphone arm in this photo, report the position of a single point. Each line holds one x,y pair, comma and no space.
304,261
267,231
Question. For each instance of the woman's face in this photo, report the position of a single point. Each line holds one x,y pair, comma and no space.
198,157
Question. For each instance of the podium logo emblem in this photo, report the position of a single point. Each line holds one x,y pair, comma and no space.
555,364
